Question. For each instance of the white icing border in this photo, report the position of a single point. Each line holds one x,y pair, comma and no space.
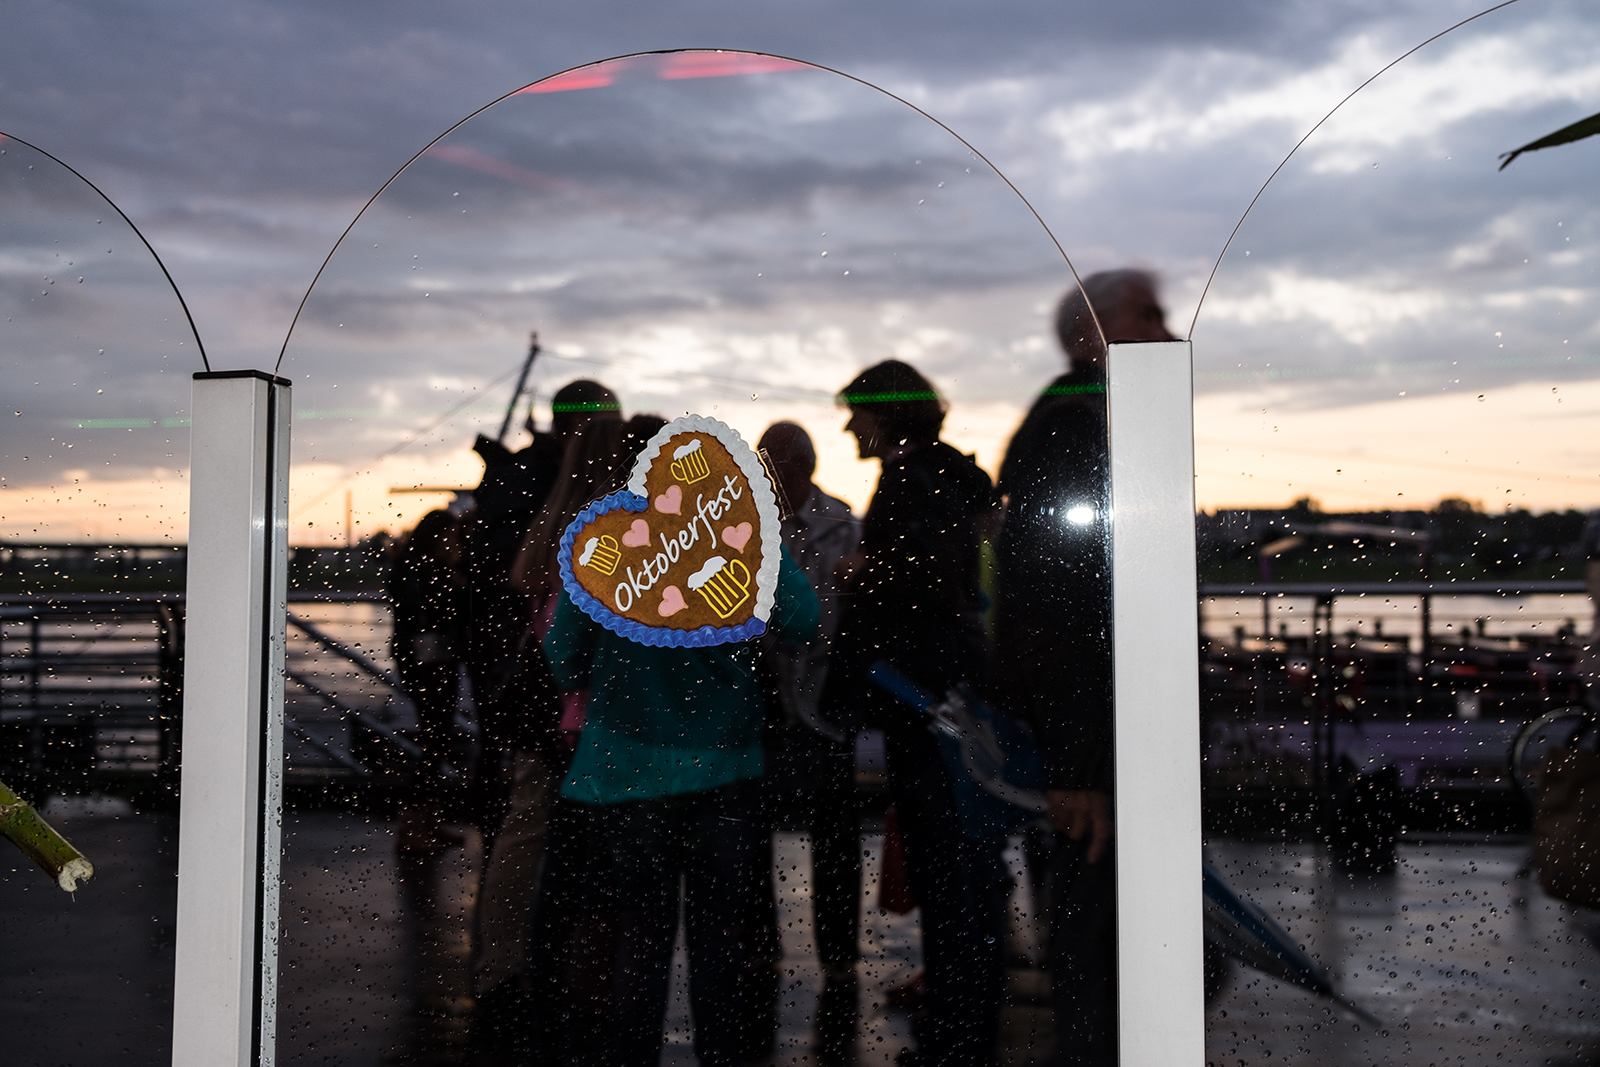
754,474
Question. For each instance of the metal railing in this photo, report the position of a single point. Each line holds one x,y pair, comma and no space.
91,691
90,687
1376,699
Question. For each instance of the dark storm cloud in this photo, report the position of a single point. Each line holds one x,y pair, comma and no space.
244,136
302,109
1392,257
257,96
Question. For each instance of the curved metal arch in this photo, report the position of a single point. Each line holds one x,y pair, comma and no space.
204,361
1217,266
678,51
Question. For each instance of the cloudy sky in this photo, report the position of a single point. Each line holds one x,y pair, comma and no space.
1395,322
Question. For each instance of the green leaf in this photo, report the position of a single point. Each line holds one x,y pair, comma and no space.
1576,132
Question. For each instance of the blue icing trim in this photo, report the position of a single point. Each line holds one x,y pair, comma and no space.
654,636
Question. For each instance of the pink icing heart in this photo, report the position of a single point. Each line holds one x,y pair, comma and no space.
671,601
670,501
638,534
738,536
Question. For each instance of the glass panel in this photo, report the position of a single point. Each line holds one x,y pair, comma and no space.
1394,373
96,351
729,235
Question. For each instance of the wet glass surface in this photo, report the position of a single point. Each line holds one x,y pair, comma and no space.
738,236
733,235
729,235
1398,320
96,351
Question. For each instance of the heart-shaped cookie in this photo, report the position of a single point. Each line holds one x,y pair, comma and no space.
688,554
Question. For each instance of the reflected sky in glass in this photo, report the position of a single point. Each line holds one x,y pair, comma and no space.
1398,320
1360,282
726,234
90,331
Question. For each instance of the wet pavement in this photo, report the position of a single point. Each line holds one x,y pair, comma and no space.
1460,955
348,979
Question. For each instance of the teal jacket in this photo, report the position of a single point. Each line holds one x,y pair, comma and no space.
664,721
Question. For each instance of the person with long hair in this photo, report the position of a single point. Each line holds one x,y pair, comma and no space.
913,600
531,713
668,760
506,501
542,982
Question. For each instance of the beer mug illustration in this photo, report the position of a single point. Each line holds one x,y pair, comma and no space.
601,554
689,463
724,584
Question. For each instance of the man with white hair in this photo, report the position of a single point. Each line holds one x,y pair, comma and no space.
1053,641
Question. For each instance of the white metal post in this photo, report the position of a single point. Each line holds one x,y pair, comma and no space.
225,991
1161,1000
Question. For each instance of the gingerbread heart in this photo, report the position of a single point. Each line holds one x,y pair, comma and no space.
688,554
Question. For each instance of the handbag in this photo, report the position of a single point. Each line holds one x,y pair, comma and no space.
1566,826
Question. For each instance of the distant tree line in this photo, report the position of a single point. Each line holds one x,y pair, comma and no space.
1455,539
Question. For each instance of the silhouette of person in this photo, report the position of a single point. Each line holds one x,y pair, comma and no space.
558,1010
532,711
668,762
913,600
1052,645
428,596
505,503
514,696
814,763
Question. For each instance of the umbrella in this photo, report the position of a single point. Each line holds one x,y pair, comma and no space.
1241,929
997,776
996,772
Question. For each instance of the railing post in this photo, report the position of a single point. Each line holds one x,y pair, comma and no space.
1160,969
34,638
169,695
225,986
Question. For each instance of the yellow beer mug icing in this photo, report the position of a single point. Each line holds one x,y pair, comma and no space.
689,463
688,553
725,584
601,554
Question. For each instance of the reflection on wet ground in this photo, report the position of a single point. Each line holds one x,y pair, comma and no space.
348,978
1458,953
86,978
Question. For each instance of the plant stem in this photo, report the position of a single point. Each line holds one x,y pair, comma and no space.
44,846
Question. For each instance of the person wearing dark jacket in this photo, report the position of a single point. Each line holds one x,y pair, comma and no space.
913,600
1053,666
506,502
810,768
428,597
